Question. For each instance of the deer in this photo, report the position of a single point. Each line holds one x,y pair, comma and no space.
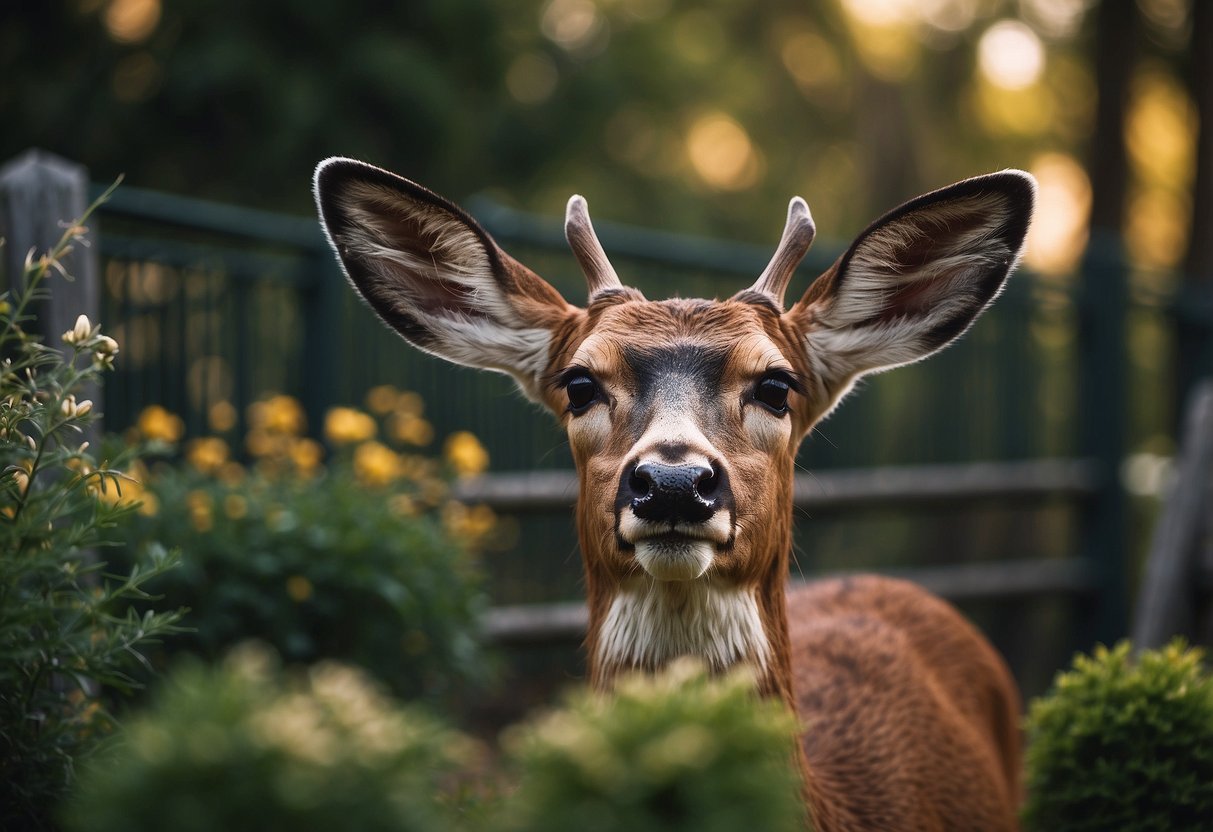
684,417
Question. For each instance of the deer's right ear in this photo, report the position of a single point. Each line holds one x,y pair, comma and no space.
435,276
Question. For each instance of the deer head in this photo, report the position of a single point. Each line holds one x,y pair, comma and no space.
683,416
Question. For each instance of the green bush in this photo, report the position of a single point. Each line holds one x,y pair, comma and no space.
1123,743
245,747
361,558
69,640
679,751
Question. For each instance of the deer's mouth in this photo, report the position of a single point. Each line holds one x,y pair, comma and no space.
673,552
675,557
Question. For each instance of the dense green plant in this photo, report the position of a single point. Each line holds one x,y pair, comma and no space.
678,751
359,558
1124,743
69,638
243,746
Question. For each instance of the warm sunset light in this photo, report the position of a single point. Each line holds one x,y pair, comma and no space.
721,153
572,24
132,21
1011,55
1063,202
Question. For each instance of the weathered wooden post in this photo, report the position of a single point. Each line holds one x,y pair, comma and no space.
1166,604
39,194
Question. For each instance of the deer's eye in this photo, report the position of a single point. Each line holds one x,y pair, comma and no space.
583,392
772,392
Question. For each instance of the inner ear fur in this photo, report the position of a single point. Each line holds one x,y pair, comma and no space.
917,278
434,275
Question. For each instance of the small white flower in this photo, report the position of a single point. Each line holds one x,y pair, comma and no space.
73,409
80,332
104,350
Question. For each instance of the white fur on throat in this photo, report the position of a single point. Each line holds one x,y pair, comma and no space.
651,622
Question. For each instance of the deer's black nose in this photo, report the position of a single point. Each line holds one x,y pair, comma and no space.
670,493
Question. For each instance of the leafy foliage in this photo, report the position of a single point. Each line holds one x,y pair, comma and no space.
538,99
676,751
1123,743
362,560
69,638
243,747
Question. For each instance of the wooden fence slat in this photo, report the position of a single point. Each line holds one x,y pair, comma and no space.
837,490
566,621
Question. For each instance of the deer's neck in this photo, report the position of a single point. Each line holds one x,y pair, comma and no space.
649,623
642,624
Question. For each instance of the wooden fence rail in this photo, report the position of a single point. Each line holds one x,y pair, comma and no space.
834,491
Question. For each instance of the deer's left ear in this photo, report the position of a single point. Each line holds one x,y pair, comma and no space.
915,279
435,276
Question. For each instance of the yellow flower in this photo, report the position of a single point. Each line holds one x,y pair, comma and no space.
306,455
281,415
411,429
471,524
149,504
375,464
222,417
200,507
260,443
381,399
21,476
402,505
465,454
129,488
345,425
235,506
207,455
298,588
156,423
284,415
409,404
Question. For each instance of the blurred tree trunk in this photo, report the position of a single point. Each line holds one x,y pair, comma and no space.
1103,356
1107,163
1194,344
888,141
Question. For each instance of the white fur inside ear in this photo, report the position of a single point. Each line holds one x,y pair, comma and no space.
452,260
860,330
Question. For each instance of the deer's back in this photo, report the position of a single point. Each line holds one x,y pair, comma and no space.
911,717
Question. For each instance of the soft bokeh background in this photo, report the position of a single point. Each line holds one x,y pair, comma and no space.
698,116
693,117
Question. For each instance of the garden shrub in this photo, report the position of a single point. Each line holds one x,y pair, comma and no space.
1124,743
677,751
360,557
244,746
69,640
